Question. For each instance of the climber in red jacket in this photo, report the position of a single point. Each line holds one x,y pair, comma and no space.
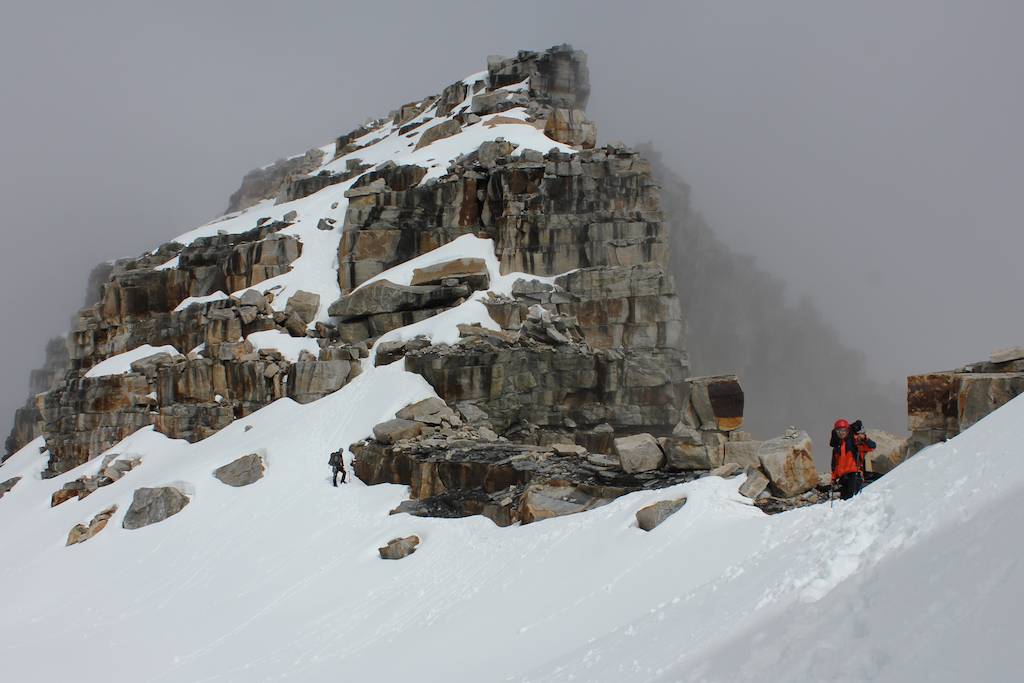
847,460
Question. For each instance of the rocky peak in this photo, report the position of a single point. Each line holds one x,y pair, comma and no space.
559,77
419,215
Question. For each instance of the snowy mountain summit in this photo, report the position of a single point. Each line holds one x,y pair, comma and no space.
468,299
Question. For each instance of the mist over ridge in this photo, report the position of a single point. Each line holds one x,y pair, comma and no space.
794,367
810,134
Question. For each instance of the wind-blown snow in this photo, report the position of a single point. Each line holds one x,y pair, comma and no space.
121,363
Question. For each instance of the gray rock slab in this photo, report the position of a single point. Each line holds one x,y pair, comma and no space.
397,548
392,431
789,464
152,505
651,516
243,471
639,453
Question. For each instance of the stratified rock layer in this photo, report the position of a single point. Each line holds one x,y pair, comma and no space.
940,405
593,356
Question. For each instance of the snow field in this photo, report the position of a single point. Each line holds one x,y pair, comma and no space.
917,578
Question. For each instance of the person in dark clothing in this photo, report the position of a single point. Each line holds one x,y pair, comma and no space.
864,446
337,464
847,460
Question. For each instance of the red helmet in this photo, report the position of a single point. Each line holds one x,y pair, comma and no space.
842,424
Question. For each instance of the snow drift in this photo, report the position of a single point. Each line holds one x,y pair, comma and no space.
918,578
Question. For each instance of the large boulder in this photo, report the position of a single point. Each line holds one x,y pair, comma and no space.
890,451
725,471
571,127
543,501
983,393
654,514
431,411
303,304
383,296
686,450
7,485
789,463
397,548
717,401
743,453
80,532
311,380
152,505
442,130
243,471
639,453
754,485
469,271
392,431
390,351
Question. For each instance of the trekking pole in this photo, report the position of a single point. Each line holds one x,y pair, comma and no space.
831,499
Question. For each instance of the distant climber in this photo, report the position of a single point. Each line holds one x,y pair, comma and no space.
848,458
337,464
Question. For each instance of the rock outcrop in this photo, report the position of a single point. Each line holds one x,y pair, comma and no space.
639,453
83,532
940,405
242,471
8,484
647,518
789,463
755,483
152,505
112,470
890,451
267,182
397,548
28,421
574,392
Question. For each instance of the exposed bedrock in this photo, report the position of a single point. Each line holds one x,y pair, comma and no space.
598,355
940,405
263,183
548,213
461,475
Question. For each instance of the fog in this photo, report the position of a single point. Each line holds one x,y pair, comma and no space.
867,155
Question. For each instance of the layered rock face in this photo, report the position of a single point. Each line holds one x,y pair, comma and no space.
576,388
28,422
217,378
940,405
274,179
548,213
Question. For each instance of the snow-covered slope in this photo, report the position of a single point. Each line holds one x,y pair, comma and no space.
281,580
918,578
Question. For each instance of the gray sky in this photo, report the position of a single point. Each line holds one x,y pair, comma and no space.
868,153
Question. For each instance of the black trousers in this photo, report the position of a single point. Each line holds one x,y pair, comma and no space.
334,477
850,485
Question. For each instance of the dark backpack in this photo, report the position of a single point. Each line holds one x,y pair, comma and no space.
335,460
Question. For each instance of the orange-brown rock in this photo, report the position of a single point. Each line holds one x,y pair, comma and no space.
81,533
